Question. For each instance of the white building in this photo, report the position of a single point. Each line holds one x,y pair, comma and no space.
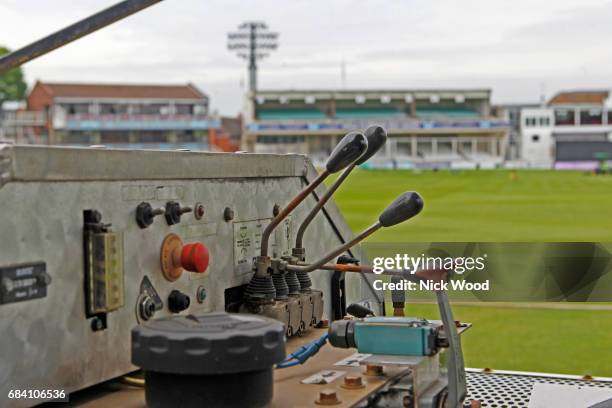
571,132
537,143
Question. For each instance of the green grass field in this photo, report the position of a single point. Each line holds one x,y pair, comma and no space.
485,205
503,206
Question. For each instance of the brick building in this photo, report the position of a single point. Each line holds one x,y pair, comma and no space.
125,115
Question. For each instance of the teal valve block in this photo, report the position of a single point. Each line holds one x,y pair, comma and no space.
406,336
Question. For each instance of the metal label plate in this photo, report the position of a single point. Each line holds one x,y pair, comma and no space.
23,282
247,243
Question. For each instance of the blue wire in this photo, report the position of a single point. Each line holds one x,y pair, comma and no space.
303,353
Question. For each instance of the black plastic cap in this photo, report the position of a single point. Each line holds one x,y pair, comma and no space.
212,343
342,334
351,147
376,137
404,207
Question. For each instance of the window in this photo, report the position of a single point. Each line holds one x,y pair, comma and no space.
280,139
535,138
149,109
152,137
609,117
184,109
360,99
592,116
112,109
76,108
544,121
564,117
530,121
109,137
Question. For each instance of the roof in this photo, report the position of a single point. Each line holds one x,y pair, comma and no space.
580,97
340,93
122,91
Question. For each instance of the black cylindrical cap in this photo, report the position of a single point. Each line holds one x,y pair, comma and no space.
351,147
376,137
404,207
342,334
208,344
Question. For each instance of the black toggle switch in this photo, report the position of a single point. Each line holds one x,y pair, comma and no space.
177,301
174,212
145,214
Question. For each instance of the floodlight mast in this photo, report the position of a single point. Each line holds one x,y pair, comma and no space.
252,42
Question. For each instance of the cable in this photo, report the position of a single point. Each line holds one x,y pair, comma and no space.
133,381
304,353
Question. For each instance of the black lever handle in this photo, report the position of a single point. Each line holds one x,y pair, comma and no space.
351,147
377,137
401,209
359,311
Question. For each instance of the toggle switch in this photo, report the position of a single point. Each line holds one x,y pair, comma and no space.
176,257
145,213
174,211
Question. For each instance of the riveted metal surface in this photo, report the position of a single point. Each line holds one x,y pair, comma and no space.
513,390
48,343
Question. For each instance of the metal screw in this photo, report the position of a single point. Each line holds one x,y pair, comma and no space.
407,401
374,370
327,397
44,279
276,210
228,214
97,324
353,382
201,294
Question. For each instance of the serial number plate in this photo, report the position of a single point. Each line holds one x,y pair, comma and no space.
23,282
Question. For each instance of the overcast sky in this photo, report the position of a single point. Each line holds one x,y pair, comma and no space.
520,49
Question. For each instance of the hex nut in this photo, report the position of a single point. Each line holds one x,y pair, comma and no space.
374,370
327,397
352,382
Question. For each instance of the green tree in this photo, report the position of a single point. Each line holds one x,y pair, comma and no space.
12,85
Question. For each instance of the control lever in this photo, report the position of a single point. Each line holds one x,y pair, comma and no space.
401,209
351,147
376,137
457,388
359,311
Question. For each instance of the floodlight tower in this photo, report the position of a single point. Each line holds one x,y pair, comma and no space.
252,42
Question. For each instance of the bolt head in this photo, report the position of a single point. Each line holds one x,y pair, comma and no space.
353,381
328,397
374,370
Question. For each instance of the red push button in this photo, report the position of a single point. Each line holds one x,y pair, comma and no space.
195,257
